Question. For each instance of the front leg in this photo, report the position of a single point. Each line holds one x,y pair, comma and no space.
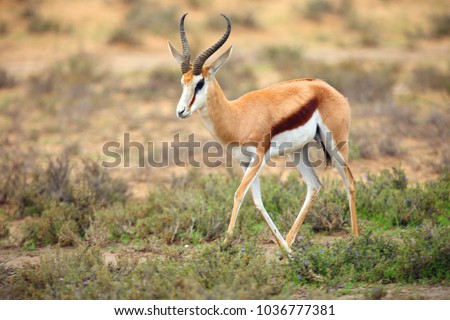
250,174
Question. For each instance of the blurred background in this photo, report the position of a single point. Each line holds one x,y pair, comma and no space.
77,74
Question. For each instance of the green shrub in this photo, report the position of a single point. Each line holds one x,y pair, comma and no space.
124,36
71,89
430,77
369,30
386,198
440,25
38,24
360,82
287,60
283,200
117,223
422,253
197,3
162,82
362,144
99,184
29,188
151,16
243,273
199,210
315,9
4,28
246,19
4,230
6,79
59,223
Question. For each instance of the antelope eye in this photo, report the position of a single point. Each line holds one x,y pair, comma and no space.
199,85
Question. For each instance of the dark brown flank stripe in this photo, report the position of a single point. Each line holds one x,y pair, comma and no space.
297,119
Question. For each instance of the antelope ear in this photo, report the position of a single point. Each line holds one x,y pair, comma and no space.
220,61
178,56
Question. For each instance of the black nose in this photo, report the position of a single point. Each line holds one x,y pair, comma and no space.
179,113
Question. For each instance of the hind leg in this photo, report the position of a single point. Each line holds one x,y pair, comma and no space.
337,148
308,173
347,177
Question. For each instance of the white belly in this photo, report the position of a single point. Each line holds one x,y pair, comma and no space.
292,140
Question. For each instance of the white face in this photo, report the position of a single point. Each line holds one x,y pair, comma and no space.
193,97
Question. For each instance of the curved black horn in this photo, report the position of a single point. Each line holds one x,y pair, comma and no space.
198,63
185,65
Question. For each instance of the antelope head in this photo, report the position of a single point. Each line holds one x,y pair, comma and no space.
196,77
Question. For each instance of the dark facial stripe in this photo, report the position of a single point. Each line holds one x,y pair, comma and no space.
191,103
297,119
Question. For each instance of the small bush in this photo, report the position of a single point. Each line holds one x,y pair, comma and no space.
360,82
4,28
443,165
29,188
125,37
369,31
63,205
246,19
162,82
345,7
30,10
14,173
286,60
315,9
386,198
429,77
78,69
424,254
440,25
197,3
37,24
151,16
73,88
438,122
420,254
187,218
376,293
362,144
389,146
4,229
241,273
284,200
105,189
117,223
6,80
59,223
142,16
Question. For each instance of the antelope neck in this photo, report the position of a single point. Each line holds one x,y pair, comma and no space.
219,115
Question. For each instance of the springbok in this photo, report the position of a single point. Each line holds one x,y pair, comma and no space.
265,121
